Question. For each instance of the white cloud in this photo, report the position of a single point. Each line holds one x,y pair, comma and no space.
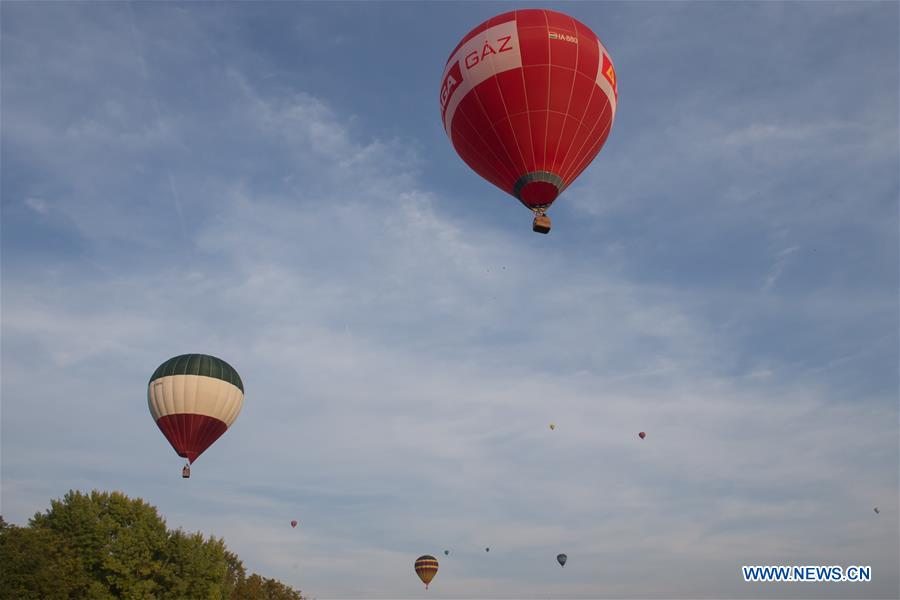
781,259
37,205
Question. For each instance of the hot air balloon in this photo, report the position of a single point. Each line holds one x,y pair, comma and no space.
293,523
446,553
487,549
561,558
426,568
877,512
642,435
552,427
528,99
194,398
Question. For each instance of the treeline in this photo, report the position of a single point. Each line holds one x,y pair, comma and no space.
103,545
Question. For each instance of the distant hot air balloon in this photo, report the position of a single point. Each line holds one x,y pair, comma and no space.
552,427
446,552
487,549
528,99
426,568
194,398
877,512
293,523
642,435
561,558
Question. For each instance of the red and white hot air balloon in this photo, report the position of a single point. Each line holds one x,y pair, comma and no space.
194,398
528,99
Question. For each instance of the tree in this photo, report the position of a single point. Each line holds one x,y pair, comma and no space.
102,545
261,588
196,567
38,564
235,573
122,542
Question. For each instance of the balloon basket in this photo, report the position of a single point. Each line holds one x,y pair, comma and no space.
186,472
541,224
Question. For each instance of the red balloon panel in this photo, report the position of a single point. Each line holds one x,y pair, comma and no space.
528,99
191,434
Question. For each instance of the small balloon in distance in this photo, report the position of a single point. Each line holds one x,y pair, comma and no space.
293,523
642,435
426,568
561,559
446,552
877,512
552,426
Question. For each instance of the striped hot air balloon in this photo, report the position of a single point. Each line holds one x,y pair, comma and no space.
194,398
528,99
426,568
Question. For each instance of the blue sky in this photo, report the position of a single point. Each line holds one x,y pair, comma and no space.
270,183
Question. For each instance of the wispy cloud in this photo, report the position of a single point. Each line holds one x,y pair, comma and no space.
37,205
781,259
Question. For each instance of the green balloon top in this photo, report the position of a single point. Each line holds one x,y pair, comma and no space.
199,364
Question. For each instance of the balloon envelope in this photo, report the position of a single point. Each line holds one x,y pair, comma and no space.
426,568
552,426
528,99
293,523
642,435
562,558
447,552
194,399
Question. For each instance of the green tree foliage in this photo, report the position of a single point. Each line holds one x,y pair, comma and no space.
234,575
103,545
31,561
197,567
122,542
260,588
